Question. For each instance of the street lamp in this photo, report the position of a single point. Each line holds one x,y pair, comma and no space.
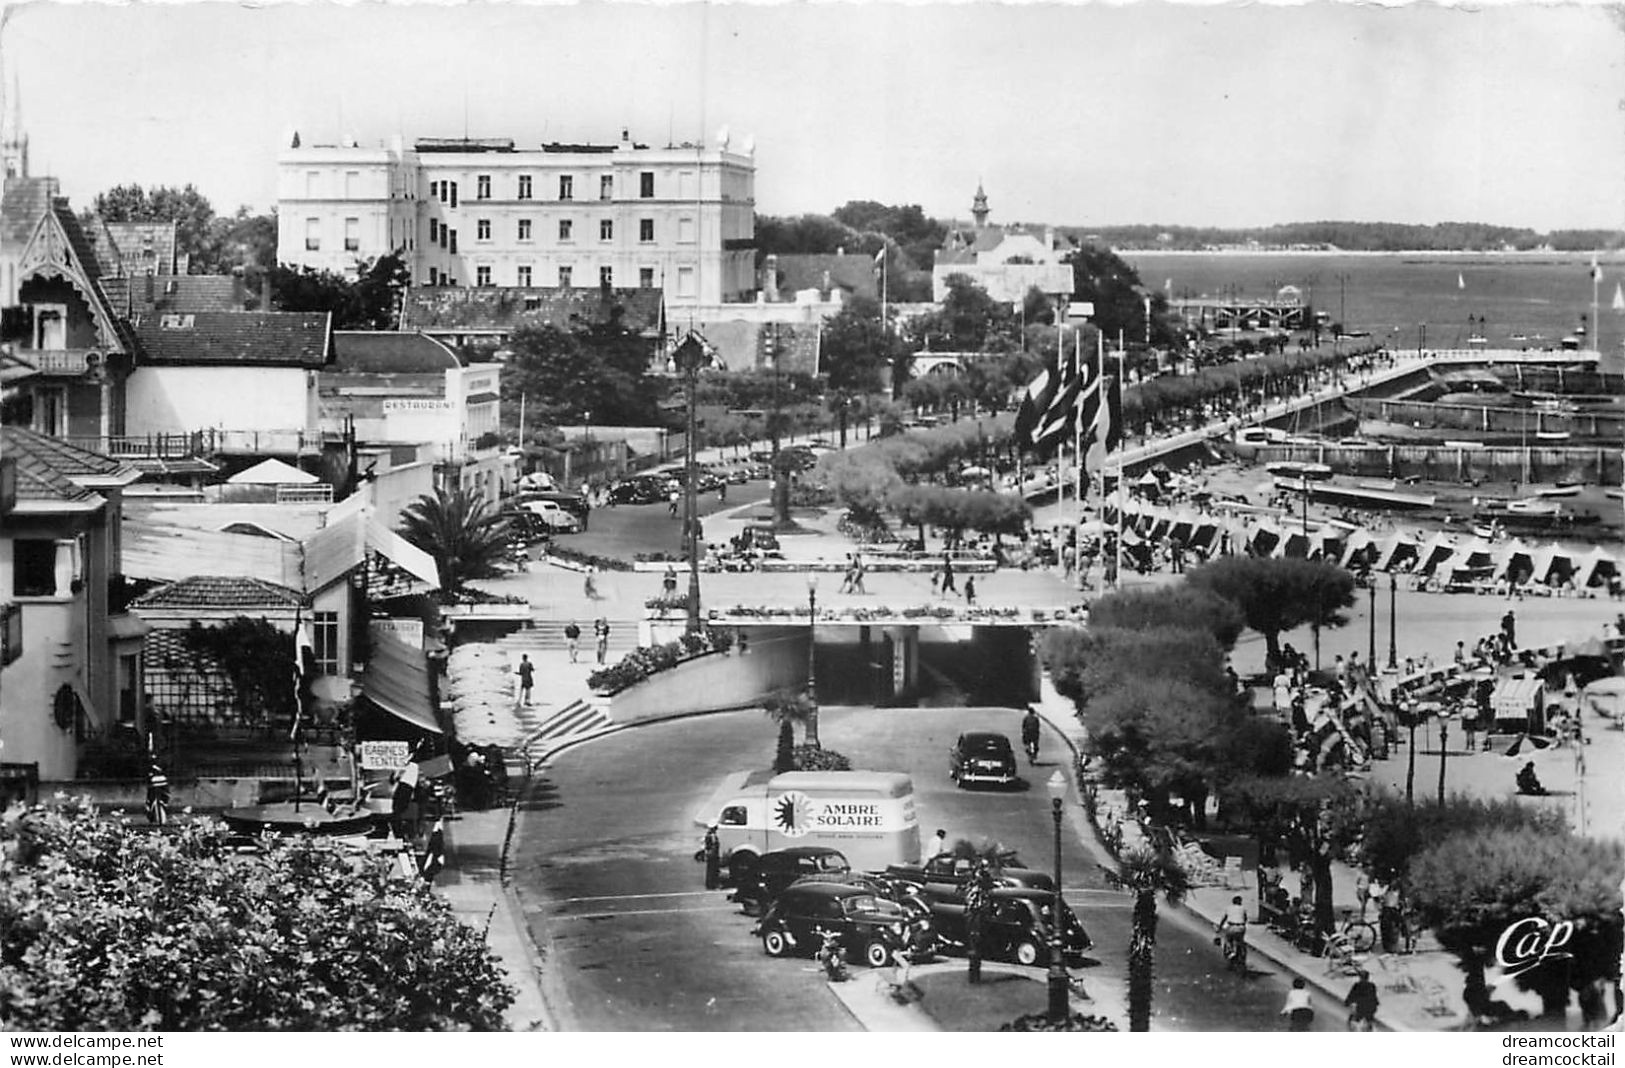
1059,1002
1371,644
812,659
1444,751
689,358
1393,645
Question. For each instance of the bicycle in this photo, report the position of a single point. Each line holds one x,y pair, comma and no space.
1360,932
1341,956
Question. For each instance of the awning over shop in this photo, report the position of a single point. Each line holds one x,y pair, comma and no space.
397,681
417,563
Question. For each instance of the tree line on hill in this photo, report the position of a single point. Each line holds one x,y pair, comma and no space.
1349,237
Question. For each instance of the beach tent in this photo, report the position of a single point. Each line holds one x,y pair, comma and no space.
1513,560
1204,534
1596,567
1396,551
273,472
1477,553
1182,526
1435,555
1262,540
1519,704
1605,697
1295,543
1355,547
1548,564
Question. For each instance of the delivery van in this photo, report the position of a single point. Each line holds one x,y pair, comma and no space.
867,815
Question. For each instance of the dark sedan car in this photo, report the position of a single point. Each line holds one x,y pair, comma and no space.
982,757
775,870
869,927
638,491
1017,928
947,876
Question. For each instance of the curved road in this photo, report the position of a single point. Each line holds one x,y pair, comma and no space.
603,862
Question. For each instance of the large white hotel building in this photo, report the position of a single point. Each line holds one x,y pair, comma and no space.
485,212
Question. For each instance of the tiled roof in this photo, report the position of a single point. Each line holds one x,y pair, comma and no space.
273,339
24,201
84,249
389,351
440,309
107,252
855,273
39,474
65,458
176,293
145,246
230,592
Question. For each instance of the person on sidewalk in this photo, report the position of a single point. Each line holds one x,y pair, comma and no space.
858,571
1030,732
600,632
970,591
1509,629
527,677
948,575
1362,1003
1362,891
1299,1013
713,858
572,640
939,845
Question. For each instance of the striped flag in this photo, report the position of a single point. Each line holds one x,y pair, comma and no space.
1035,401
1103,421
1074,396
434,855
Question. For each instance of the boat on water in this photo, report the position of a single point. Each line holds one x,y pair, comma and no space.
1360,496
1284,469
1477,339
1562,489
1518,337
1531,513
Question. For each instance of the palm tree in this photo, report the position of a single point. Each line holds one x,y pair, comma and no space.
1146,872
464,534
790,707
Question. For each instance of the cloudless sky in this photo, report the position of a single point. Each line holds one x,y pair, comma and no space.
1082,114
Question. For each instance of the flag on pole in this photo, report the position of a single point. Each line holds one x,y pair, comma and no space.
1596,269
880,257
1035,401
1074,385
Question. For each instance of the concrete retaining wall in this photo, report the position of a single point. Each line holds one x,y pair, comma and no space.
1483,417
1448,463
208,794
776,657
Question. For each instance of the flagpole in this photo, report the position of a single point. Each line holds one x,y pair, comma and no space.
1596,318
1078,471
1121,496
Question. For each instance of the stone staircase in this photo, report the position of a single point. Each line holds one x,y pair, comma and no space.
548,636
584,717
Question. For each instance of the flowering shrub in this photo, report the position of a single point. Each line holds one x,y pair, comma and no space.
107,929
864,530
641,663
675,603
813,758
469,595
1037,1021
575,556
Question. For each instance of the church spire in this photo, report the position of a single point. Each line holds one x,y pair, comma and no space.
978,207
13,141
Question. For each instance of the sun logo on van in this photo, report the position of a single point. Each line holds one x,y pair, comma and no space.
793,814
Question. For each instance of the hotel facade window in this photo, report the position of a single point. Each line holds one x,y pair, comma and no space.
606,187
524,187
566,230
324,638
482,275
646,277
524,229
313,235
564,278
434,231
646,230
606,276
482,230
352,235
454,242
523,276
482,187
567,187
646,185
606,229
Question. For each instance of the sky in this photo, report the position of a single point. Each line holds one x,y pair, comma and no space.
1076,113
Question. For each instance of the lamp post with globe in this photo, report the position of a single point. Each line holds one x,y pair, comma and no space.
689,358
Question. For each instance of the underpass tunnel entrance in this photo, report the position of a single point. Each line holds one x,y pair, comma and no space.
949,664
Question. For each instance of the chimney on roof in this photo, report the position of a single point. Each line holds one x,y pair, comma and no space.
770,281
1049,238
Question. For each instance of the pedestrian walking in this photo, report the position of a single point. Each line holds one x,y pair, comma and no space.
939,844
858,571
850,577
672,499
668,582
1298,1011
589,584
572,639
713,858
600,632
527,677
948,575
1362,1003
1362,891
1509,629
970,591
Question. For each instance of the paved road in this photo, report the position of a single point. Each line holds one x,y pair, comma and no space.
604,865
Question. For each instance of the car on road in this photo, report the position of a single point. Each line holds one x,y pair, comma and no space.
553,514
638,490
982,757
947,876
525,524
1017,927
574,503
757,887
868,927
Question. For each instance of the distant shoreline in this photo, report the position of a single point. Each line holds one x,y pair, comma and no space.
1602,257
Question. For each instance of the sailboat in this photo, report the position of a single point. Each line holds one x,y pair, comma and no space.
1619,297
1461,283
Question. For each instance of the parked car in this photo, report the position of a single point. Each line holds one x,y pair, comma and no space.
1018,927
574,503
758,537
553,514
982,757
526,524
775,870
947,876
638,490
869,928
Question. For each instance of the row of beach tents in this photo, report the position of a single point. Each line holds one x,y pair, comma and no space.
1438,556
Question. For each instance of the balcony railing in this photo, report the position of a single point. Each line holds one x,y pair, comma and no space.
63,362
202,443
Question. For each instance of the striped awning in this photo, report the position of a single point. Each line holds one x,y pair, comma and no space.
397,681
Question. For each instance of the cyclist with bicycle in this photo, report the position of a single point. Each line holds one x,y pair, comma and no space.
157,796
1232,928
